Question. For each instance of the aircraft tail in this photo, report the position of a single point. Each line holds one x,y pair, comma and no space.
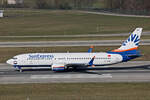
132,42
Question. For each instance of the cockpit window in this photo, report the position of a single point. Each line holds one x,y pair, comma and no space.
14,58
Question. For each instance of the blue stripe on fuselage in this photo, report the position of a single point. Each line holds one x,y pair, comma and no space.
127,55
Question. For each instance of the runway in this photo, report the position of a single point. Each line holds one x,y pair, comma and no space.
67,43
134,71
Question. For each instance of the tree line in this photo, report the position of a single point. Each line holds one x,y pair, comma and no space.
128,4
64,4
75,4
51,4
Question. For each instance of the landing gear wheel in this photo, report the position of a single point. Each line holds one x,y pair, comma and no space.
66,68
20,70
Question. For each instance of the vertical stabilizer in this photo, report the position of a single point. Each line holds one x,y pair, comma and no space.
132,42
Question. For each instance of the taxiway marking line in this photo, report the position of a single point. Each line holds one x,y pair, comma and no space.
70,76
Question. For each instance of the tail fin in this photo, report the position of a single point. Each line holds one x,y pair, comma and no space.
132,42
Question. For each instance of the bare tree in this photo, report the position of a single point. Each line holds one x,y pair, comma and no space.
41,4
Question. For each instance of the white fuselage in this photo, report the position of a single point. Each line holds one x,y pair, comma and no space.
48,59
63,61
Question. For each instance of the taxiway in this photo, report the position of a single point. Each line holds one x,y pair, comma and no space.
134,71
67,43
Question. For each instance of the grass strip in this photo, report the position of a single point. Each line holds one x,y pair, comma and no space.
76,91
69,22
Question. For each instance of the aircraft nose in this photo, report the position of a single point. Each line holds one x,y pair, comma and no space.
10,61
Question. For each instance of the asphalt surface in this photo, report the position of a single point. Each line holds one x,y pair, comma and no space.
83,35
135,71
67,43
113,14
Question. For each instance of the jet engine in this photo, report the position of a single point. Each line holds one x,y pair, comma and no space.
58,67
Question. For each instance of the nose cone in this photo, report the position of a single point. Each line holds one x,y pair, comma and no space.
10,61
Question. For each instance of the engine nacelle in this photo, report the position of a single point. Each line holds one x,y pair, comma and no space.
58,67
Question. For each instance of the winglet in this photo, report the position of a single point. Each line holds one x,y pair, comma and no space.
90,49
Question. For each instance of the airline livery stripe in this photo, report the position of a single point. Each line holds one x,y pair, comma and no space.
117,50
59,67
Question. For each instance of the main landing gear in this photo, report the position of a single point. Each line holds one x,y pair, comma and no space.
18,68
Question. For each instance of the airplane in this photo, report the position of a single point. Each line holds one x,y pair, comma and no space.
63,61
